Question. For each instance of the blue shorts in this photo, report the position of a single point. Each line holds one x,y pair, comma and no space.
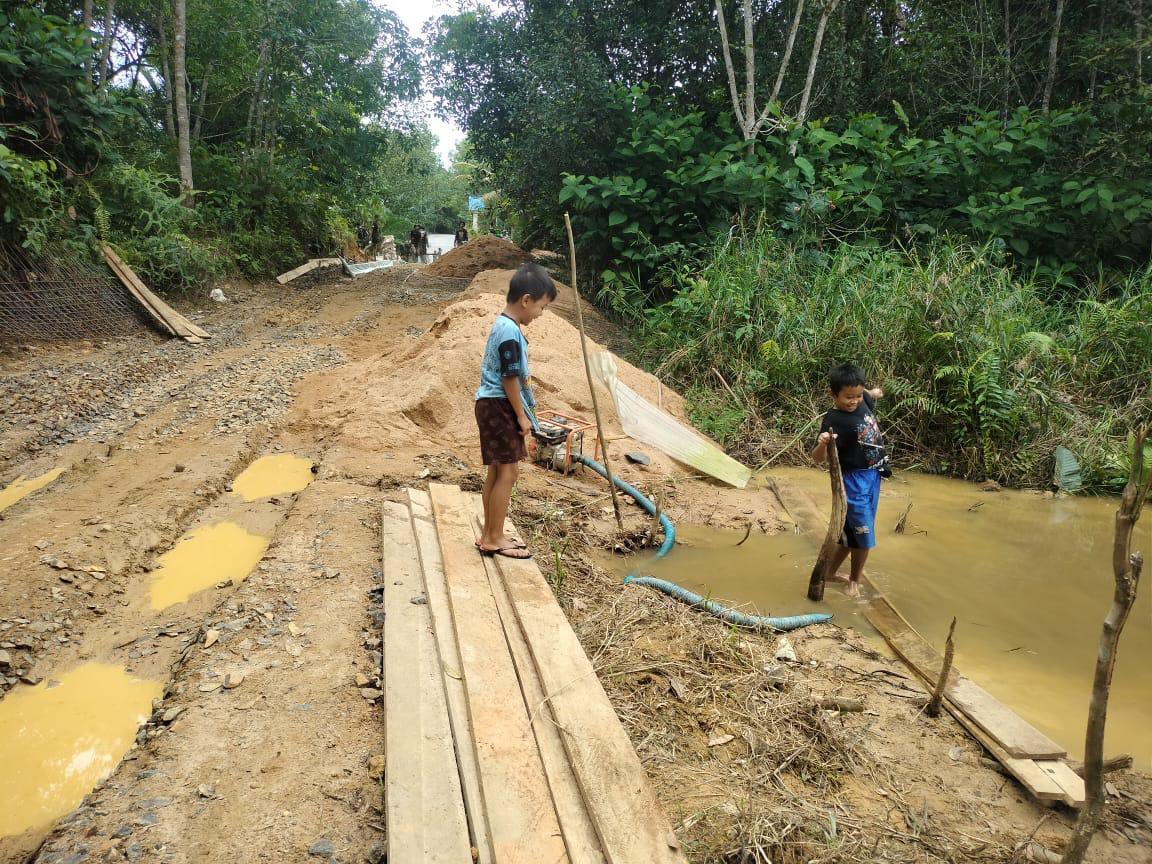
862,489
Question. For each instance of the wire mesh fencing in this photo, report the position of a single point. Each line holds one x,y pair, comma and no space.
59,298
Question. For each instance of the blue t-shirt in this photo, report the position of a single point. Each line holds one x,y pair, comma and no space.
505,356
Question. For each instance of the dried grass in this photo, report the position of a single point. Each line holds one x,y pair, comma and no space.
784,788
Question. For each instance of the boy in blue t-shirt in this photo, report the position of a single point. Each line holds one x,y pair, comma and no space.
863,460
505,407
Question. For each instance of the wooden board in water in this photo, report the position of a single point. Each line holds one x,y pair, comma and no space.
1015,736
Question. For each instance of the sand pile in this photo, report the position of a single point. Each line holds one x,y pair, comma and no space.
425,391
484,252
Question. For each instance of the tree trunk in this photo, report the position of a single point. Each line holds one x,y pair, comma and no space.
1126,567
183,144
933,708
1053,45
110,25
166,71
1139,41
835,525
1096,60
749,78
86,20
729,69
787,52
825,14
200,109
257,90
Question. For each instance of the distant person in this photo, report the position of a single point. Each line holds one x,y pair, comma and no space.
852,424
361,236
375,248
505,407
461,235
418,239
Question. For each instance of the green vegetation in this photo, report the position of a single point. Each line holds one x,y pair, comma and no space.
291,132
986,373
957,196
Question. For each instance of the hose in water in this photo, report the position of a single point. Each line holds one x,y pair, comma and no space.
732,616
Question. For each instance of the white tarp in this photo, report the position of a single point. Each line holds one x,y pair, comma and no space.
645,422
358,270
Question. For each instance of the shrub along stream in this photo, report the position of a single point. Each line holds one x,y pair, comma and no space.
987,372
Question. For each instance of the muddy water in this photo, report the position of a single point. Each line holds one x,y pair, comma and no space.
1028,577
278,474
23,486
213,553
60,738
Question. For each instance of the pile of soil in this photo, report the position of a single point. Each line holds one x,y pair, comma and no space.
481,253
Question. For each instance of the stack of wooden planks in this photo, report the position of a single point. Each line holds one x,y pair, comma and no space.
500,742
163,315
1028,755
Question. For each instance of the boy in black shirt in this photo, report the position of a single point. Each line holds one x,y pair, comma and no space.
860,445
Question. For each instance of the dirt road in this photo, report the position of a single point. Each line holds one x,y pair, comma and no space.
264,741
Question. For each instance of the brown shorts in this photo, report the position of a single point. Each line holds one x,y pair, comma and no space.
500,440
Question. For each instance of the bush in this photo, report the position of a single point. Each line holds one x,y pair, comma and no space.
985,372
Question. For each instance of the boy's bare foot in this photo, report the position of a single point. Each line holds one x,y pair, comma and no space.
517,552
853,589
836,577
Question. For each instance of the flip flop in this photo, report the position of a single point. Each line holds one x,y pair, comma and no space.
503,552
516,544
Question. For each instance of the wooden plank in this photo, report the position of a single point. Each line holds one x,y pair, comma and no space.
176,322
307,267
628,818
1014,735
575,821
522,820
448,662
1071,783
423,804
403,783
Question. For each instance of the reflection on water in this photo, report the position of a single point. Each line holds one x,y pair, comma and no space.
1028,577
60,738
22,486
278,474
210,554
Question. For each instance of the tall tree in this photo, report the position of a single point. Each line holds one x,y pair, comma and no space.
179,88
1053,44
825,13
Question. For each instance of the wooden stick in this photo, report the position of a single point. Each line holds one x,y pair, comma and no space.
1123,762
588,373
1126,567
933,709
835,525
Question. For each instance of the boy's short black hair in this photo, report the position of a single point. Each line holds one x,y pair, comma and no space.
533,281
845,375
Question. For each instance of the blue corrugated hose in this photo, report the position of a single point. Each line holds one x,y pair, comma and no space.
732,616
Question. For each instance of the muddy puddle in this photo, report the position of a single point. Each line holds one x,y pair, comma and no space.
221,552
1028,577
278,474
23,486
62,737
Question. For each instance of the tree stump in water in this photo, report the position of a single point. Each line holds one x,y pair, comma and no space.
835,525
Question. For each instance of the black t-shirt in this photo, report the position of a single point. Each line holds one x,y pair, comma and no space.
859,442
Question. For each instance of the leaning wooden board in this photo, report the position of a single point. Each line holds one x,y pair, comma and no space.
1048,779
628,817
170,319
1015,736
522,821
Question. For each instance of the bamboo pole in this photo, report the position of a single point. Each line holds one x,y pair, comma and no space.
588,373
933,709
1126,567
835,525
